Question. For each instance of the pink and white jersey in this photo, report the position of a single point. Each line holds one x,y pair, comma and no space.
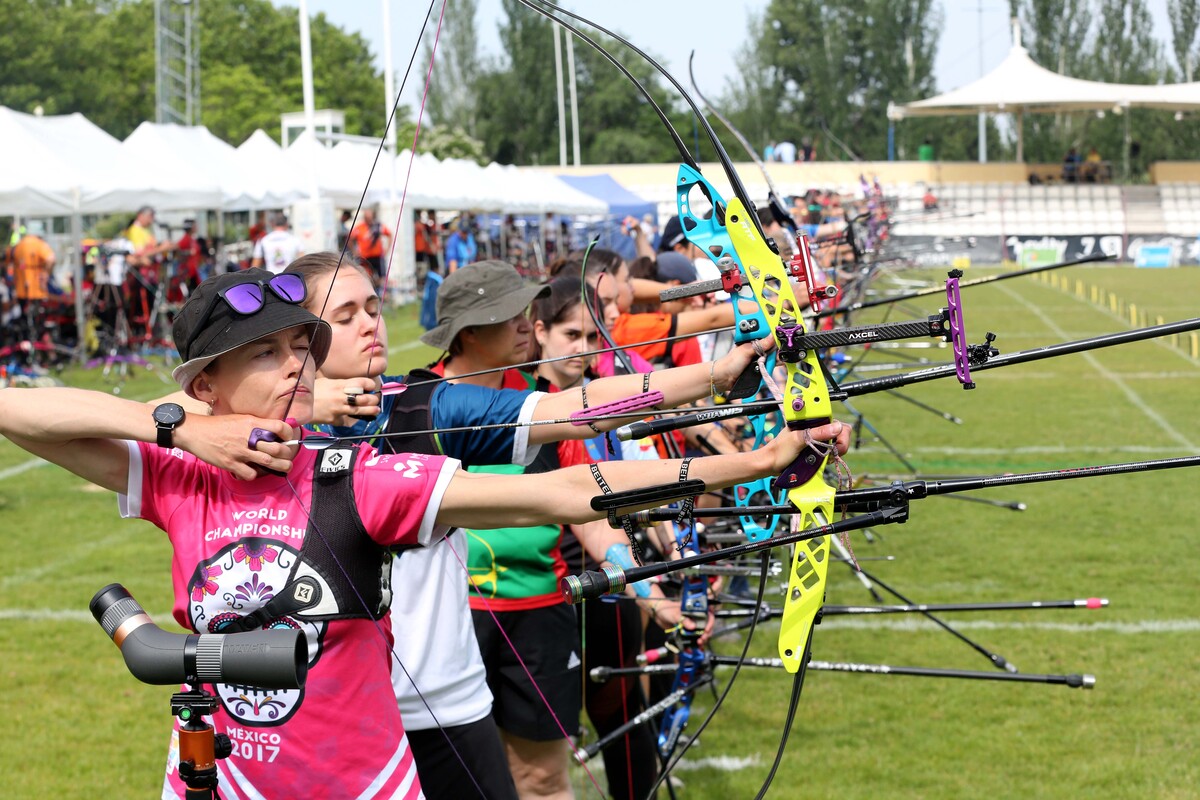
234,544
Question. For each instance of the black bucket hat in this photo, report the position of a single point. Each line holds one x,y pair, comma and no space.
207,327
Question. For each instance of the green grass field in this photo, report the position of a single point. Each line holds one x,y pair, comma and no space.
80,724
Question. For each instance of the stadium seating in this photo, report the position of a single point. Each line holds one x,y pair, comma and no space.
996,209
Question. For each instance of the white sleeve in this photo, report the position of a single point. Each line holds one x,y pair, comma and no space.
130,501
431,531
523,455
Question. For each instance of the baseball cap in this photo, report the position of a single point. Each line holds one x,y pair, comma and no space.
207,327
672,266
482,293
672,234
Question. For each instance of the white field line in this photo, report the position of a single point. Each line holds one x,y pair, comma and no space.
22,467
1162,342
719,763
1147,626
78,552
1133,376
1138,627
413,345
1040,450
62,615
1108,375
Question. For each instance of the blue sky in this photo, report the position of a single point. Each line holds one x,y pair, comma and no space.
658,27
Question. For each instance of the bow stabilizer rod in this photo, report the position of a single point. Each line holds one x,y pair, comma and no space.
1003,276
1073,681
613,579
878,498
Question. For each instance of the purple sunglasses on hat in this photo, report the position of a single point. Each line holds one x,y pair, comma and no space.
249,298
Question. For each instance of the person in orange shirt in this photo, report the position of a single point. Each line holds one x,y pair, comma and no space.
369,240
425,243
30,264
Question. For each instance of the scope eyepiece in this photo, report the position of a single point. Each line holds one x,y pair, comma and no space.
261,659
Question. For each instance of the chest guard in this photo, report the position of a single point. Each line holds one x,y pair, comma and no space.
341,572
411,412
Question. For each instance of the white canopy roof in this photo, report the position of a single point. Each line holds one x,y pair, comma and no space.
184,166
1020,84
64,165
267,180
35,179
531,191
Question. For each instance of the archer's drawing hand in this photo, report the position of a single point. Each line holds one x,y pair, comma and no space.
332,402
222,442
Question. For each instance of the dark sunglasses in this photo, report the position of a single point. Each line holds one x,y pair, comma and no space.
249,298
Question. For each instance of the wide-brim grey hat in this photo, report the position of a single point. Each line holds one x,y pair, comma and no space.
224,330
483,293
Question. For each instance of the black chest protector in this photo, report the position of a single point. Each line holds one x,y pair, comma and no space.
342,573
411,412
341,568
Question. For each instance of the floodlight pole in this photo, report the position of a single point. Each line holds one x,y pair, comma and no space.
574,97
389,92
306,80
982,115
558,85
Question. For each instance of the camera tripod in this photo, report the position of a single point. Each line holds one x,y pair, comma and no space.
199,746
108,321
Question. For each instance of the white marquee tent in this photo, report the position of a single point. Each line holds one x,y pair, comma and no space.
267,180
38,181
66,165
1019,84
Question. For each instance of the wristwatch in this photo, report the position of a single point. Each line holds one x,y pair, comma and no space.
167,417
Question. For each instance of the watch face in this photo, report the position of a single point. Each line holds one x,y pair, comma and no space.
168,414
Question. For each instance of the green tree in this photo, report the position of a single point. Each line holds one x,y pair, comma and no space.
515,96
97,57
441,142
451,99
266,40
517,107
840,65
1056,34
1185,20
1127,52
236,102
753,95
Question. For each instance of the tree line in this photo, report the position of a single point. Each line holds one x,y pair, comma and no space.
808,69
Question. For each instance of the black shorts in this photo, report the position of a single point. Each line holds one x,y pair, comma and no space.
375,265
430,260
548,642
478,744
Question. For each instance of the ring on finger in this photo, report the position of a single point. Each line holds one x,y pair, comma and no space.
352,400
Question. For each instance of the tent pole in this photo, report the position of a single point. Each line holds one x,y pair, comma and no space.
1128,142
982,138
1021,136
77,271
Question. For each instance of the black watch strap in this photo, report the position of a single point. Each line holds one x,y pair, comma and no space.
167,418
